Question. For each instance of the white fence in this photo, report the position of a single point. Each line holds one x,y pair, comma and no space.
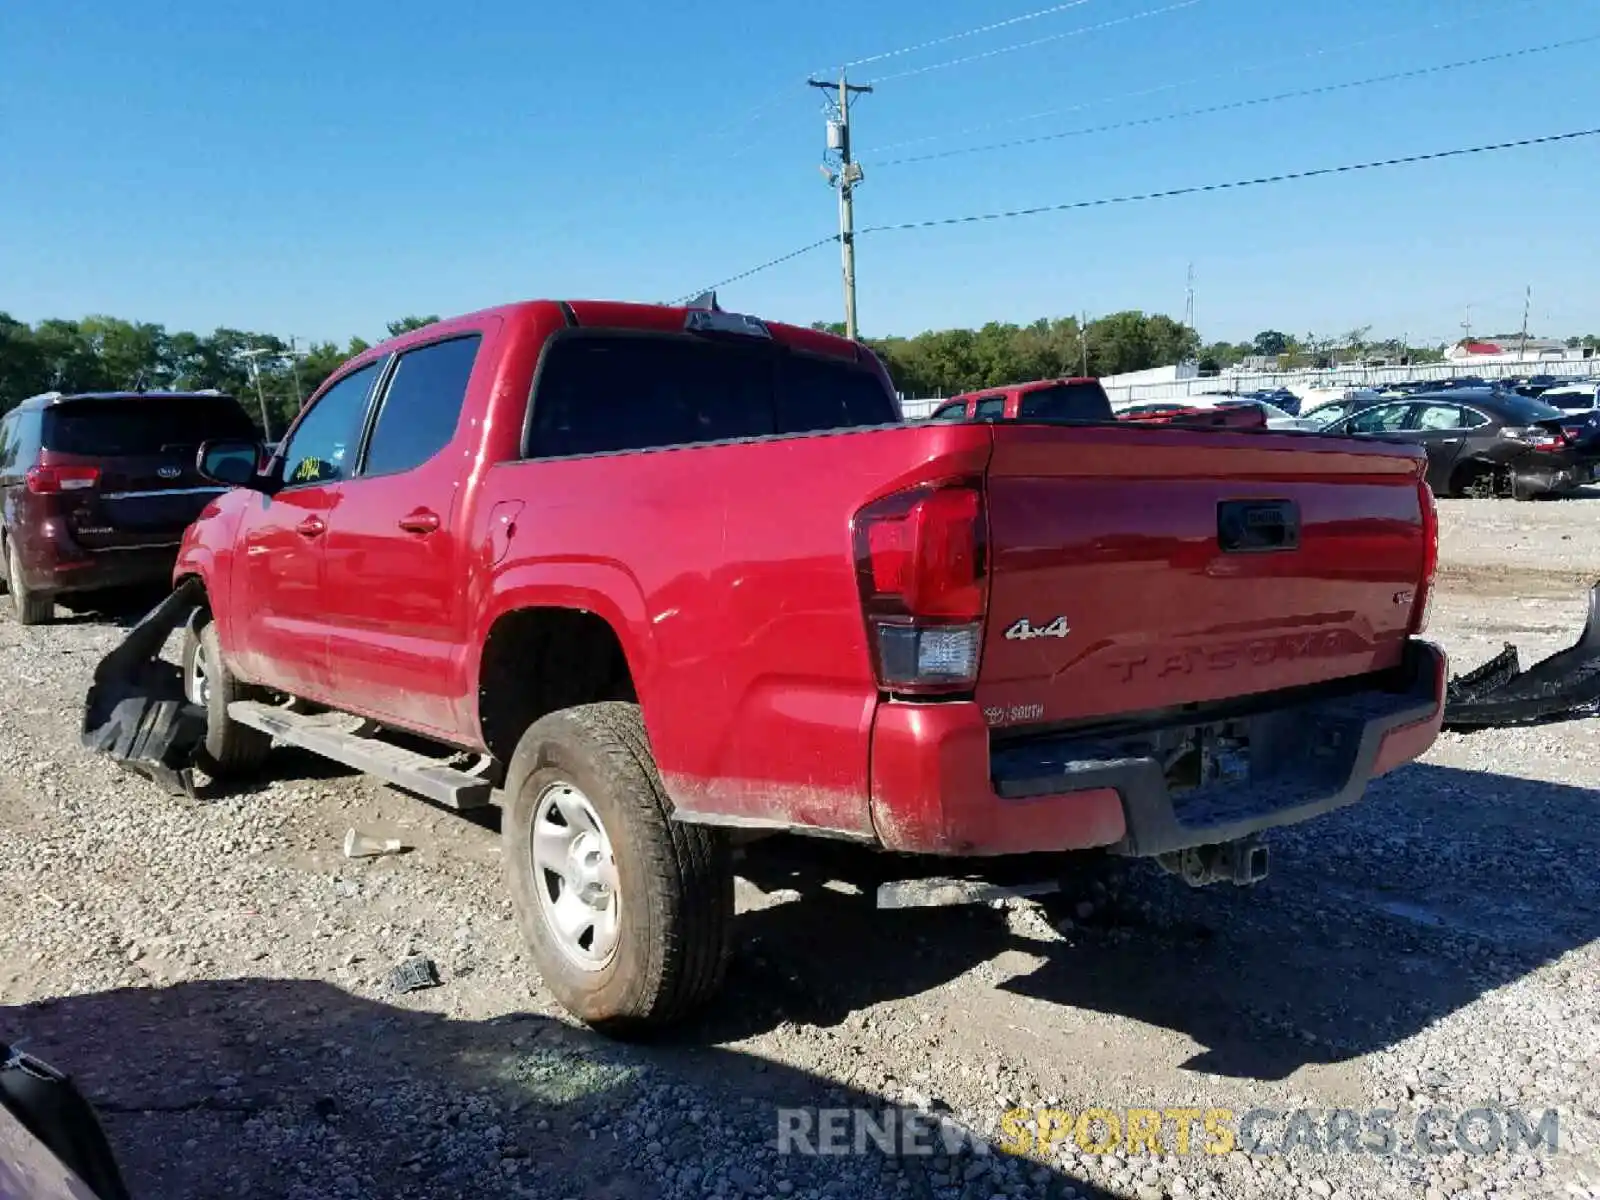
1303,381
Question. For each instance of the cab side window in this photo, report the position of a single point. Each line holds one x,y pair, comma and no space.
950,412
990,408
322,447
421,406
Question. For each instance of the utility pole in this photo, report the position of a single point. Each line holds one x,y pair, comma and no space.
845,178
1188,299
252,356
1527,300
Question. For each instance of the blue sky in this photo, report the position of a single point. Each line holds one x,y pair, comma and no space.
318,168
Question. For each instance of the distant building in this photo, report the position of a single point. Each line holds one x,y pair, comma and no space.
1510,349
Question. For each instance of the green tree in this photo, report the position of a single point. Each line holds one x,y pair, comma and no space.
1269,343
407,324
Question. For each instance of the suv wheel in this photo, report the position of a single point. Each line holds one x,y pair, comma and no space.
627,911
28,606
231,749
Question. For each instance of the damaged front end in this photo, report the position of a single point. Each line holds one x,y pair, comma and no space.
136,711
1567,684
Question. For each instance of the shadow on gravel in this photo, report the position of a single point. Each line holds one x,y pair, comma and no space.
299,1089
1376,922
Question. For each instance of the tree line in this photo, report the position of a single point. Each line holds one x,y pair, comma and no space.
269,376
272,377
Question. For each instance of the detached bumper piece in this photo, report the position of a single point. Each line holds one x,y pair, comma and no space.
1567,684
136,711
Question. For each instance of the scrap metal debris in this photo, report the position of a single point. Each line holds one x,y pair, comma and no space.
364,845
414,975
1565,685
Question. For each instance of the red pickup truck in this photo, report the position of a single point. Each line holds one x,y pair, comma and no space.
657,578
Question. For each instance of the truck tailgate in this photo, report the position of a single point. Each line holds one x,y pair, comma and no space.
1139,569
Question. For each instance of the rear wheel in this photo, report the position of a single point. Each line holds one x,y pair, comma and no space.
28,606
231,749
627,911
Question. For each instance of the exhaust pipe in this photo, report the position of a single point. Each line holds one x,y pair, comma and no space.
1242,863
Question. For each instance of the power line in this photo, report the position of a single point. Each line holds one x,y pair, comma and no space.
1232,185
1264,63
1253,102
1054,37
956,37
1141,197
766,266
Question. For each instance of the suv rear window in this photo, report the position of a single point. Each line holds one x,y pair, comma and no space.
599,393
142,425
1066,402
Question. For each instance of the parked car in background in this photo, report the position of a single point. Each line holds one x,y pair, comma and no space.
1573,397
98,488
1076,399
1274,417
1281,398
1485,442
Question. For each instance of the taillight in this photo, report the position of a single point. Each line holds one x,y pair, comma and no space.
921,567
1430,557
48,481
1538,437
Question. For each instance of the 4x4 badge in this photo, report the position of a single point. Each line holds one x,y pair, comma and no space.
169,472
1025,631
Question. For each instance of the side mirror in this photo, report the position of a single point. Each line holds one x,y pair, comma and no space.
231,463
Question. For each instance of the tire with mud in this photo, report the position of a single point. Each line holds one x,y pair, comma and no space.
231,750
627,912
27,606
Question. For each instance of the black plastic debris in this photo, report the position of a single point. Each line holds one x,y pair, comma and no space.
1565,685
136,711
414,975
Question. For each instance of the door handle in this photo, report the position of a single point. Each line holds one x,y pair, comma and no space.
421,521
1450,441
311,527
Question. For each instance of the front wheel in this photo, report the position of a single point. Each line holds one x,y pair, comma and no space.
627,911
231,749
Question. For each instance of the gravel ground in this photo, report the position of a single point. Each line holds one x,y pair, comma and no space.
214,973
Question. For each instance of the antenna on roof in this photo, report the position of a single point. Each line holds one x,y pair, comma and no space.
706,300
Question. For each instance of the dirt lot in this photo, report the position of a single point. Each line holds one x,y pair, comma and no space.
214,973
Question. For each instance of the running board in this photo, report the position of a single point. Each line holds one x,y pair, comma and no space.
351,741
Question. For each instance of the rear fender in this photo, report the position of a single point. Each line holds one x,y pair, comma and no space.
136,712
608,592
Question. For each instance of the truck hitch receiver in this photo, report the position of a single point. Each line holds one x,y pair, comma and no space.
1242,863
136,711
1564,685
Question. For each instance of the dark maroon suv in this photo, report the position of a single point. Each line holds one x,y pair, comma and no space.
97,489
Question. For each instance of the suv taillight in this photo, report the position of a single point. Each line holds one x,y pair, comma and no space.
48,481
1430,557
922,570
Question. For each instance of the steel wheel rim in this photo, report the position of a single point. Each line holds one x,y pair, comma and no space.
575,876
198,684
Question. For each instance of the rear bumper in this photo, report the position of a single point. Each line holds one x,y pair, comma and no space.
1561,473
54,563
938,789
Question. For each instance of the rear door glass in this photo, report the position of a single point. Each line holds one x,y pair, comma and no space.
602,393
142,426
990,408
1066,402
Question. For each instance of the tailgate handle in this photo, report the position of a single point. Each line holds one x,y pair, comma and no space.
1258,526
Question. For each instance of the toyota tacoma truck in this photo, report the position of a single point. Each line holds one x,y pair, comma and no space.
657,579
